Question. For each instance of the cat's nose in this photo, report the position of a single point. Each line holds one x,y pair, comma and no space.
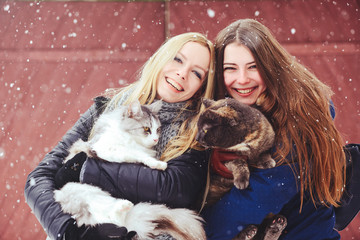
156,140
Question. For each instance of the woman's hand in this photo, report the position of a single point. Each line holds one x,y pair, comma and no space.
70,171
106,231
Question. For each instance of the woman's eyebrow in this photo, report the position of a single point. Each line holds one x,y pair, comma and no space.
252,62
183,56
201,68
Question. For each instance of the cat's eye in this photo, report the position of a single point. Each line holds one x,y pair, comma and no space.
147,130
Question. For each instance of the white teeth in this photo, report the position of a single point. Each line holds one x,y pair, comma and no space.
243,91
174,84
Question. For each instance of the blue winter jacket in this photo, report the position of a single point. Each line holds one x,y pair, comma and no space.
272,190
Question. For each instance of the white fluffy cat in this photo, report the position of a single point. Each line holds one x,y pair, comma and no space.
126,134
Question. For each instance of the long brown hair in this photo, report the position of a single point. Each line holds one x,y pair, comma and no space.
298,105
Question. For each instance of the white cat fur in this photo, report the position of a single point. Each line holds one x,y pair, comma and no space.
90,205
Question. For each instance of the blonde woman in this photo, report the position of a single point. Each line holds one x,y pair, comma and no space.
180,73
253,68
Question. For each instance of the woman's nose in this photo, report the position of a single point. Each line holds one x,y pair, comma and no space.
242,77
182,72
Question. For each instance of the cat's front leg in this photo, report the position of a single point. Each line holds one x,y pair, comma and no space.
240,170
265,161
154,163
139,157
241,149
145,157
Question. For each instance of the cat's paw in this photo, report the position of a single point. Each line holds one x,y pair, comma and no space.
161,166
240,171
247,234
265,161
156,164
241,182
275,227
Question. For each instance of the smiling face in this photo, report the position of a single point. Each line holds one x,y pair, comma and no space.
241,76
182,77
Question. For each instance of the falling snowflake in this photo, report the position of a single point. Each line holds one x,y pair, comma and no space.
2,153
211,13
72,34
6,8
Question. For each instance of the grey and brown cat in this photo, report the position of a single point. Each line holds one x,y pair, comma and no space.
244,130
239,128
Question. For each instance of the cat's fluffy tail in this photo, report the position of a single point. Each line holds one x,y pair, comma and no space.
150,220
90,206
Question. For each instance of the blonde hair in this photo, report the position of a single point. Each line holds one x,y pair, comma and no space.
298,105
145,88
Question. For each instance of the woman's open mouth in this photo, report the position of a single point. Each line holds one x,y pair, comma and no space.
246,91
174,84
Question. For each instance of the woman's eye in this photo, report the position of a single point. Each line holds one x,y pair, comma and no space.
252,67
177,60
197,74
229,68
147,130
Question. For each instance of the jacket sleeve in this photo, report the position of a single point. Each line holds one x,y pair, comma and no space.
313,222
41,181
180,185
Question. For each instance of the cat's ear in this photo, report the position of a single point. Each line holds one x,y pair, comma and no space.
134,109
207,102
155,106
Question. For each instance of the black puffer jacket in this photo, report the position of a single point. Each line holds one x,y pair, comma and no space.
178,186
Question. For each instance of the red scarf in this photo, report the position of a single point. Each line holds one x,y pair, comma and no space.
218,159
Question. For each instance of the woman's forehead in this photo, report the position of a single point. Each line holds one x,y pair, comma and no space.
197,53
